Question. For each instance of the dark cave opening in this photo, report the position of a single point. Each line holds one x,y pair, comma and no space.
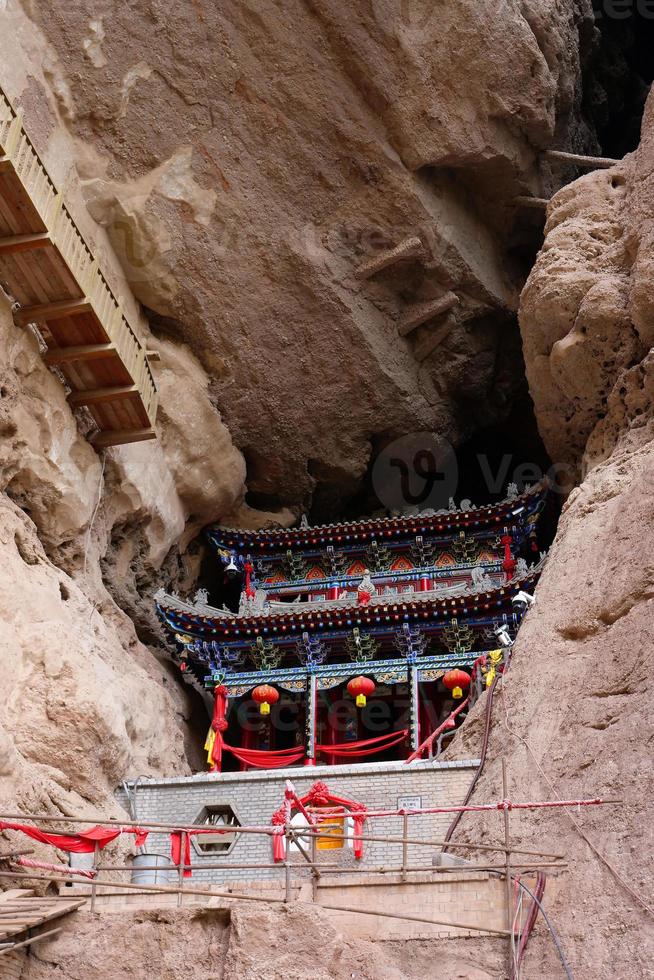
499,444
618,73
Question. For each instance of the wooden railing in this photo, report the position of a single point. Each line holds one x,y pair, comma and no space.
17,151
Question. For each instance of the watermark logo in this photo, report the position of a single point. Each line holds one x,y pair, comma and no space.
418,470
623,9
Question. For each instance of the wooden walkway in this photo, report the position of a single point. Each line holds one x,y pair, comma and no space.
48,268
21,911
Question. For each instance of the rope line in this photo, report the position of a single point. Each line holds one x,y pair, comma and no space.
625,884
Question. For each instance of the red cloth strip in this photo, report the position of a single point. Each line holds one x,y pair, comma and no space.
360,753
268,752
267,760
82,843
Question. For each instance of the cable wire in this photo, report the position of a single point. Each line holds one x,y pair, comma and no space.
94,514
553,933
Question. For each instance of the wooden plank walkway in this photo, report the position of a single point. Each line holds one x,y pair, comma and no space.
49,270
21,911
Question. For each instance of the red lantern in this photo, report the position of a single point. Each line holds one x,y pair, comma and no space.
265,695
456,681
360,688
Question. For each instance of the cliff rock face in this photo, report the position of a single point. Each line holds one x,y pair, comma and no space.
587,311
572,716
84,702
299,942
233,165
85,539
245,158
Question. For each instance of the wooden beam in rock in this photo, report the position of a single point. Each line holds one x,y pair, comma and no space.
531,202
410,248
427,345
416,315
580,160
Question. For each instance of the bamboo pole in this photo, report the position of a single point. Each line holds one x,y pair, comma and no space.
443,869
148,889
405,844
120,824
10,855
414,811
308,831
180,877
192,867
160,889
416,918
96,855
508,879
302,851
315,873
287,863
28,942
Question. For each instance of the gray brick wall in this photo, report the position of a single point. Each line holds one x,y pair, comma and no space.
255,796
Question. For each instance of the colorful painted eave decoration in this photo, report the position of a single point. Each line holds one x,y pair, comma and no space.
203,626
378,528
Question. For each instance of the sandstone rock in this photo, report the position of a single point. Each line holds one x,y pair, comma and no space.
570,718
570,722
45,463
298,942
241,185
587,315
84,703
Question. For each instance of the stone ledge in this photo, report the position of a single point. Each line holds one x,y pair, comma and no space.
307,772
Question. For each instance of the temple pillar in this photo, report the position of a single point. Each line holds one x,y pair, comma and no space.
311,720
426,712
424,585
248,741
332,734
414,710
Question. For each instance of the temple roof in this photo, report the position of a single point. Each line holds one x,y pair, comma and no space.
202,620
426,522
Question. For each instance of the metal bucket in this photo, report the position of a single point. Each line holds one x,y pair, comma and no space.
81,862
153,869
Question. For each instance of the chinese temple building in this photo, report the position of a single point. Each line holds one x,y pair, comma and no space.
353,642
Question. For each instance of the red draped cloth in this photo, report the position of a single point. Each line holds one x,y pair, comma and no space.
278,758
82,843
357,750
272,759
176,850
